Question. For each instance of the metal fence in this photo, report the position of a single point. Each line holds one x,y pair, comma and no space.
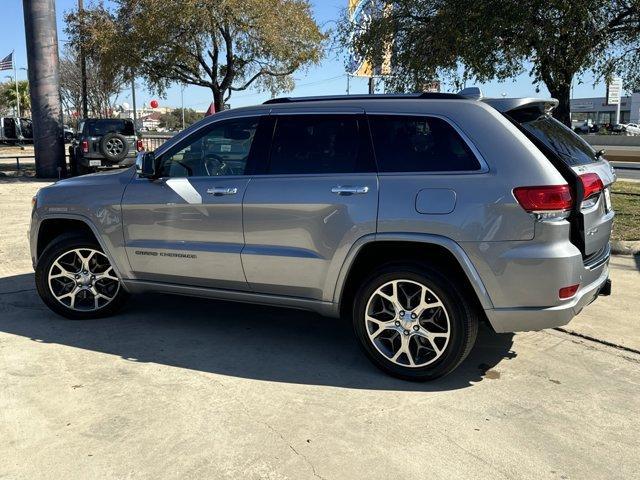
153,141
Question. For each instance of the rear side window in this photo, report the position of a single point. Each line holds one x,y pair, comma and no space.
307,144
102,127
556,136
419,144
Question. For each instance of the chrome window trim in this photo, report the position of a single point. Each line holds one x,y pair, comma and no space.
484,166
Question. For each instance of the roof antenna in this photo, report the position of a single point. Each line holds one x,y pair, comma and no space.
474,93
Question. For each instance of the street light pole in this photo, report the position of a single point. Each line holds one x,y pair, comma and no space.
182,103
133,101
83,62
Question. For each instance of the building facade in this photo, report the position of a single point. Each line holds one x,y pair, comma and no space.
597,110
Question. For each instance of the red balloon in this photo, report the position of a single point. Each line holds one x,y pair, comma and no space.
154,103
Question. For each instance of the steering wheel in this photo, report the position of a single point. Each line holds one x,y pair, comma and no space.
215,165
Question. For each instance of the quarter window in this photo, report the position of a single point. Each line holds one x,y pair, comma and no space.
221,149
307,144
419,144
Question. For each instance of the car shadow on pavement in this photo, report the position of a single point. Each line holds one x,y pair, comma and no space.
240,340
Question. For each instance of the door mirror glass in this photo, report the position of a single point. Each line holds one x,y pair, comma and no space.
146,164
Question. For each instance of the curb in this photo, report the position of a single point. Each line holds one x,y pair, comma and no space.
625,247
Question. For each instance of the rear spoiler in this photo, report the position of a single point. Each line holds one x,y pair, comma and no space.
504,105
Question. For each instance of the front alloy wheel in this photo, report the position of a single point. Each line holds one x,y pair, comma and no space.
83,279
76,279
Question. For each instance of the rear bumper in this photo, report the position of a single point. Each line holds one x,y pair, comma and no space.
537,318
127,161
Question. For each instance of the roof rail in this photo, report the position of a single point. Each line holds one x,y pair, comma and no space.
394,96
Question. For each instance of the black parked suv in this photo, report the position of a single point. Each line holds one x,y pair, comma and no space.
104,142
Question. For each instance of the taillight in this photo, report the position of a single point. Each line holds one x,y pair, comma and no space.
591,184
542,199
85,146
139,146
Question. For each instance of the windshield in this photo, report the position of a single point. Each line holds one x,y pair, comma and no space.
102,127
573,149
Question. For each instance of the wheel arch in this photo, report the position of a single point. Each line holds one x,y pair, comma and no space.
374,250
52,227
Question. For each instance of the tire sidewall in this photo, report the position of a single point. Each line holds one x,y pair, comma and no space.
449,294
105,153
51,254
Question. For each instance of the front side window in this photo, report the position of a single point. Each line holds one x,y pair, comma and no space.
221,149
419,144
318,144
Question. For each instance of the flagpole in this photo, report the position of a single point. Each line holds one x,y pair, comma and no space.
15,78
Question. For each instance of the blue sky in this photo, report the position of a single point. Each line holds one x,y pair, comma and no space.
327,78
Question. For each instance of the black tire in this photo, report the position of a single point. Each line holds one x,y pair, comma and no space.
462,318
73,162
114,147
56,249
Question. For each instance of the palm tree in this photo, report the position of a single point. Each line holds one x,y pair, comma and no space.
8,94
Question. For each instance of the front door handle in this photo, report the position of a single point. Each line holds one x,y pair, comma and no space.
349,190
222,191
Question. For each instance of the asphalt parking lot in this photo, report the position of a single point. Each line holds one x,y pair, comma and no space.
187,388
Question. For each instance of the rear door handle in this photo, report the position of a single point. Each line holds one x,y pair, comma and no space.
222,191
349,190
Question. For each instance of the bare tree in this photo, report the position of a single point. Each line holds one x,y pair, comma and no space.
104,86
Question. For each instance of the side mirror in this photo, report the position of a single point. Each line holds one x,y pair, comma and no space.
146,165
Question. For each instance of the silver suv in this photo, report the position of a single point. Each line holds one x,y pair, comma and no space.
417,217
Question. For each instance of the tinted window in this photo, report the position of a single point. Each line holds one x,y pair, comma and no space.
222,149
305,144
573,149
102,127
419,144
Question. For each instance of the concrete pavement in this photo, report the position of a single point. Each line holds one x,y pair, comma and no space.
187,388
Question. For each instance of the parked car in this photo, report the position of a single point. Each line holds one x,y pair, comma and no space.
617,128
587,127
103,143
69,134
15,130
416,217
632,129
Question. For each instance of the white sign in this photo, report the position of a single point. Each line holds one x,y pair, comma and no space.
614,91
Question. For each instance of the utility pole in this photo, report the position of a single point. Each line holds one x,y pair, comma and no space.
372,85
182,103
133,101
83,62
44,87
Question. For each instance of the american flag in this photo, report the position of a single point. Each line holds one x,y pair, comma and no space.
7,62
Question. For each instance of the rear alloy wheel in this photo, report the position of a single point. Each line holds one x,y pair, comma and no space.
414,323
76,279
407,323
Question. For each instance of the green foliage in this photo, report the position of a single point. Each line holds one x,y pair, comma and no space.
173,120
8,96
223,45
464,40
